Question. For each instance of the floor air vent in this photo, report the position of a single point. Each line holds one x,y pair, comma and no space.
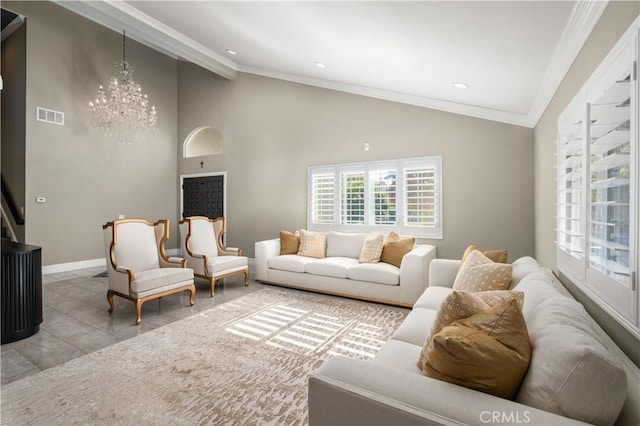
50,116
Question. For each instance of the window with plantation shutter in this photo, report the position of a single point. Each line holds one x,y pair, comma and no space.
352,198
383,196
420,194
322,196
597,195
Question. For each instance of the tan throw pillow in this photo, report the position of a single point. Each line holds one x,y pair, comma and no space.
312,244
489,351
479,273
395,248
462,304
289,242
498,256
371,249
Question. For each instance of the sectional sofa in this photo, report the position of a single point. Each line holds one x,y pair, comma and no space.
576,373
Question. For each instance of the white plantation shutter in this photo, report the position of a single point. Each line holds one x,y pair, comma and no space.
420,197
399,195
382,196
323,198
352,198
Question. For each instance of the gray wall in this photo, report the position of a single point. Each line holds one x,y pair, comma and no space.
274,130
615,21
88,179
13,118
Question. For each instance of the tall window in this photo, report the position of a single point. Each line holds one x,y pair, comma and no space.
400,195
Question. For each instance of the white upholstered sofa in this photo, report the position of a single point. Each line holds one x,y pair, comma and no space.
340,273
576,371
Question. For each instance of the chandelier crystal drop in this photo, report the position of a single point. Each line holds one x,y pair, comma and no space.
123,110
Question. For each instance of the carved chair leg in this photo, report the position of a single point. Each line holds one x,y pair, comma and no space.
213,284
192,292
138,303
246,277
110,300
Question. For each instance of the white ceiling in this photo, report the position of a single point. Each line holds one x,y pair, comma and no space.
512,54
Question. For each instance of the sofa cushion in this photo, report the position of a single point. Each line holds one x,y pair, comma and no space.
498,256
488,351
289,243
521,268
330,266
395,248
371,249
432,297
415,328
479,273
156,278
340,244
312,244
223,263
289,262
538,288
399,354
572,373
380,273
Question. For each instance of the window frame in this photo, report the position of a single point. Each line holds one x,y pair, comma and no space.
368,169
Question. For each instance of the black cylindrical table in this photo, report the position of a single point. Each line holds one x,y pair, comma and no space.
21,290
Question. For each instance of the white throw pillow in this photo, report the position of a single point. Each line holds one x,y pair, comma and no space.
341,244
572,373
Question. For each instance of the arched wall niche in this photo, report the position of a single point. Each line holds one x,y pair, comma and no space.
203,141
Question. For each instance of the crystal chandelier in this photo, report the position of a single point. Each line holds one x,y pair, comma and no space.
122,110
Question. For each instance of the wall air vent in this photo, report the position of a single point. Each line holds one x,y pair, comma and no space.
50,116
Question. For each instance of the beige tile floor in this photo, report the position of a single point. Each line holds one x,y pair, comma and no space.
76,321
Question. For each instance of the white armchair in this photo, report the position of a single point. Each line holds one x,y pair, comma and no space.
201,243
138,268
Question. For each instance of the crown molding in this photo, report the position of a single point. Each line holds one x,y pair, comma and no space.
118,15
421,101
583,19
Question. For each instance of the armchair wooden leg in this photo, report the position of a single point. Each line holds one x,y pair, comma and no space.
246,277
192,292
138,303
110,300
213,284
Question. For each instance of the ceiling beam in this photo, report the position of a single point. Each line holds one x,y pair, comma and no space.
118,15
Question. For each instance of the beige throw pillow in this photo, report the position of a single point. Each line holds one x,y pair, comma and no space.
312,244
395,248
289,242
498,256
479,273
462,304
372,249
489,351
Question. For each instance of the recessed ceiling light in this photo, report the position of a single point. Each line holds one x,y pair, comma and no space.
320,65
460,85
231,52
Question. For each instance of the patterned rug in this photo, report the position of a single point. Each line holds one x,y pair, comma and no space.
244,362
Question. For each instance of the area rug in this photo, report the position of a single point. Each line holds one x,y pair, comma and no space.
245,362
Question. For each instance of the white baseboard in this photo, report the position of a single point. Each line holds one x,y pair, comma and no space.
83,264
73,266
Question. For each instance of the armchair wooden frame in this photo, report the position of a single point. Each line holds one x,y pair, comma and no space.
220,226
122,274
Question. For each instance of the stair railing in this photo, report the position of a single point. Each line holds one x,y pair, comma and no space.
11,203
